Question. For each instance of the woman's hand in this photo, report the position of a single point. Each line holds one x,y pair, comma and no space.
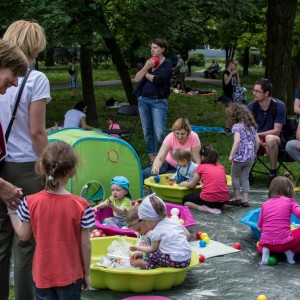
155,171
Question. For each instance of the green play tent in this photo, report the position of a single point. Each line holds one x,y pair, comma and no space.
102,157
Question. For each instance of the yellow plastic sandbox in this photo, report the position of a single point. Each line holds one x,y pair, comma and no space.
131,280
170,191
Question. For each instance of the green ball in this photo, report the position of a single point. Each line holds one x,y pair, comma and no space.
272,261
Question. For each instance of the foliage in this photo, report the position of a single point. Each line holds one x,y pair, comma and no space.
197,59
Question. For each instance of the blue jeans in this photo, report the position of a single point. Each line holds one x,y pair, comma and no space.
165,168
226,100
69,292
153,113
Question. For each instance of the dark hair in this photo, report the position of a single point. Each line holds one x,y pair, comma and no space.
281,186
57,161
161,43
265,84
237,113
210,155
112,118
80,105
231,60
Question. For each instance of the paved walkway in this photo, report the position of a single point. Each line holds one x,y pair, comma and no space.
196,76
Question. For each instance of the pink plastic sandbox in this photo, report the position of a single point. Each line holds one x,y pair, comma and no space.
106,212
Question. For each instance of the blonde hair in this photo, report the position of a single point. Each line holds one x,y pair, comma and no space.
182,123
281,186
28,35
237,113
132,216
56,162
11,57
181,153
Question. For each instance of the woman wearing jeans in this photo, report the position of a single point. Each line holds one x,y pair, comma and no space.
153,95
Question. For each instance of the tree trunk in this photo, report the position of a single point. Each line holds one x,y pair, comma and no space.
121,67
246,62
87,83
280,22
49,59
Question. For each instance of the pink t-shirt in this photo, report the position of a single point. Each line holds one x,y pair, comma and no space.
214,183
274,219
173,144
114,126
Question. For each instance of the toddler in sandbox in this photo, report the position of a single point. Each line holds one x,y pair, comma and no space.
274,221
186,167
119,202
169,246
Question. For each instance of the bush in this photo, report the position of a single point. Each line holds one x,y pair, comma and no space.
197,59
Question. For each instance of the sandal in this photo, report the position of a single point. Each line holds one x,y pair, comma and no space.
245,204
234,202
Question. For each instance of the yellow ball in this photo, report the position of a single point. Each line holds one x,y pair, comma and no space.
181,221
261,297
206,239
203,235
292,227
257,244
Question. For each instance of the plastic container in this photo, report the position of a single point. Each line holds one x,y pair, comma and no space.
251,219
106,212
131,280
170,191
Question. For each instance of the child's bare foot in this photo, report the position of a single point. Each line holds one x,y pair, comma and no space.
139,263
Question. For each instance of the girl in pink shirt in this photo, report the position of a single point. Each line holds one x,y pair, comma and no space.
274,221
215,192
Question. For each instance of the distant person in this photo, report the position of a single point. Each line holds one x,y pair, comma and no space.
243,152
60,223
73,72
112,124
212,70
189,65
179,70
153,93
214,193
76,117
275,219
270,116
231,79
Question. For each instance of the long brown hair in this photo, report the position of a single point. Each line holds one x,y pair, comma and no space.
281,186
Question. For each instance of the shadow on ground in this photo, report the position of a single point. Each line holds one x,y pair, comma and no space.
233,276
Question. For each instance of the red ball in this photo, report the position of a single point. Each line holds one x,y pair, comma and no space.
201,258
198,235
237,246
156,61
96,233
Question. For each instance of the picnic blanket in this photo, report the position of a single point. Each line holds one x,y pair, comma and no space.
208,129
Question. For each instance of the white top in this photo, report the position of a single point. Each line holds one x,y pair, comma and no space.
19,146
72,118
172,239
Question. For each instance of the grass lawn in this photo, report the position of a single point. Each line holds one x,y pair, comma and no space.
199,110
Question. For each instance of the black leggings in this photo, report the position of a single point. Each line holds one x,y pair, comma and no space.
195,198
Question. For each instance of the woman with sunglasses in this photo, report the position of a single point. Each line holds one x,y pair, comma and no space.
181,136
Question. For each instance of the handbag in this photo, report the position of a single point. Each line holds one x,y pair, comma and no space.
4,139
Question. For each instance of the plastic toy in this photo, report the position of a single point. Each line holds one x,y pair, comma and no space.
237,246
206,239
251,219
171,192
203,235
202,243
96,233
272,261
131,280
174,211
198,235
102,214
261,297
157,178
181,221
156,61
201,258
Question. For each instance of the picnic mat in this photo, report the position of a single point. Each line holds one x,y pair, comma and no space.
212,249
207,129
